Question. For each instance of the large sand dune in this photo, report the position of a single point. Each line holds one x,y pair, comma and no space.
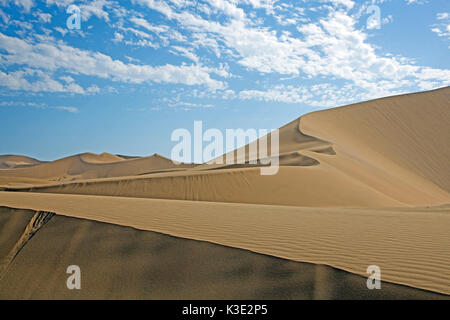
358,185
124,263
411,246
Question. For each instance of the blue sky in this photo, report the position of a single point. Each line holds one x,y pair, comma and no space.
137,70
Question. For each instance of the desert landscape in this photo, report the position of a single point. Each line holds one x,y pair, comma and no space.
359,185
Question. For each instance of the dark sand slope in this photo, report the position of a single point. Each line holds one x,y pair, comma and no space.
125,263
37,221
11,227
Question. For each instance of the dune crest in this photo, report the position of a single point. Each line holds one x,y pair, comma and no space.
16,161
100,158
405,135
92,166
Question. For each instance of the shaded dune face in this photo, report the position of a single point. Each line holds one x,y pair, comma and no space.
387,152
125,263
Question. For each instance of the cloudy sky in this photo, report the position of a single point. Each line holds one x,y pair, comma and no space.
136,70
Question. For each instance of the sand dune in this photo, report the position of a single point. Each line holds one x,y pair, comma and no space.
358,185
314,186
406,135
15,161
20,182
387,152
411,246
135,264
90,166
100,158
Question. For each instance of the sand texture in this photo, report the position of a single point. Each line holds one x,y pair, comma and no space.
125,263
411,246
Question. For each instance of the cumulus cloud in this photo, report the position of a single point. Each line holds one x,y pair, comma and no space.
25,4
59,56
442,27
332,47
88,8
20,80
43,17
267,39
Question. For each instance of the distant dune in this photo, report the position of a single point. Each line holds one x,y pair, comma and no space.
91,166
363,184
14,161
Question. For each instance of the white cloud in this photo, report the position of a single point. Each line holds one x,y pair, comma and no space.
442,28
189,105
443,16
278,93
62,31
22,104
185,52
68,109
59,56
96,8
20,80
37,105
332,47
43,17
145,24
118,37
4,17
416,1
25,4
88,8
349,4
323,95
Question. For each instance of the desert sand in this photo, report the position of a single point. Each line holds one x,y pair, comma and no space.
14,161
411,246
365,184
125,263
